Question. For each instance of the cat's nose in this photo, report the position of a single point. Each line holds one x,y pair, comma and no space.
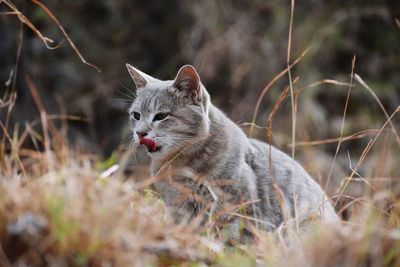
141,134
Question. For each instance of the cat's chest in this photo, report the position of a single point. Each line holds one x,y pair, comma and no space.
190,167
180,185
181,175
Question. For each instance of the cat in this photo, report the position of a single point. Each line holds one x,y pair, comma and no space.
206,165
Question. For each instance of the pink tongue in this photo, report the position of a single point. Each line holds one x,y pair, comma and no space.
149,143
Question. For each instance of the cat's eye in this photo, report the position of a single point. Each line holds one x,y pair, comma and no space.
160,116
136,115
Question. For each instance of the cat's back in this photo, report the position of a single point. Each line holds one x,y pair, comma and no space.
274,166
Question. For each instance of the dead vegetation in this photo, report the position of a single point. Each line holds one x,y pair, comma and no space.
63,206
78,213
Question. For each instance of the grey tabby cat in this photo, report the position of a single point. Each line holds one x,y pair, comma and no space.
205,164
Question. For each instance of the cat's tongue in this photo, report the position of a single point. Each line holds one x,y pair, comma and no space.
151,144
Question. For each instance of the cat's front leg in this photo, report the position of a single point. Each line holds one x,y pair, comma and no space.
180,200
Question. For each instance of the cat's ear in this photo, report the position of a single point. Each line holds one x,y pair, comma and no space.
188,81
140,78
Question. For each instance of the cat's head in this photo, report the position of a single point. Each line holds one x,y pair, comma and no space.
167,116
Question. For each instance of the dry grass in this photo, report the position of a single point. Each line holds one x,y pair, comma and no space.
72,216
63,207
79,214
46,40
60,206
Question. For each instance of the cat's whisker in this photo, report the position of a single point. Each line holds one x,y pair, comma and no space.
131,91
128,96
122,100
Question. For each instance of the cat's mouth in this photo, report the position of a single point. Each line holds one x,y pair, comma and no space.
158,148
150,144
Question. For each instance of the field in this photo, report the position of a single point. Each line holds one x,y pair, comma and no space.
75,192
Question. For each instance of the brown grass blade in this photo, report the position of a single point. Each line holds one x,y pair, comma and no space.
353,62
364,85
290,79
354,136
269,86
364,154
47,41
13,148
71,43
43,118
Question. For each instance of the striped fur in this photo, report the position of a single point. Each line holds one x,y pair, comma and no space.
206,164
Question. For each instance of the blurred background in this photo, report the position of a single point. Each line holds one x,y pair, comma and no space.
238,47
